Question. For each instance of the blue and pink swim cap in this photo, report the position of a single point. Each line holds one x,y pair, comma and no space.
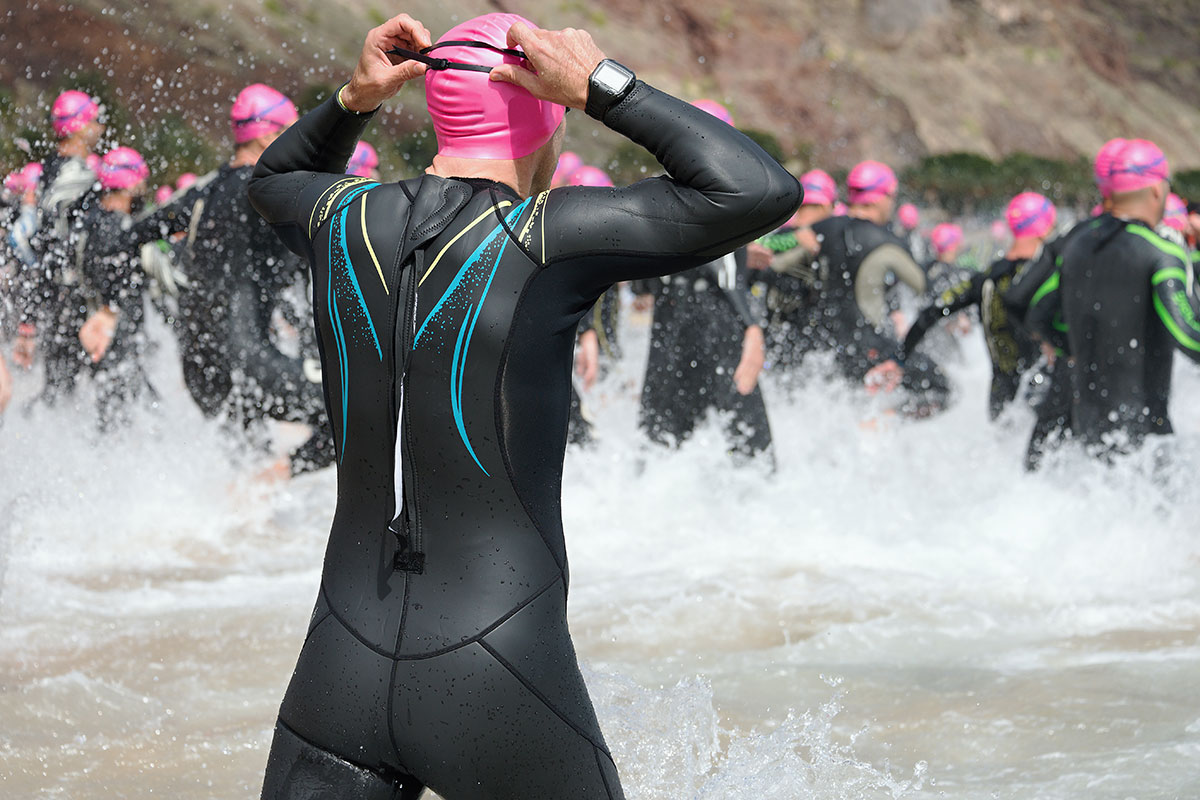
870,181
1103,165
945,237
122,168
1136,165
1030,214
1175,215
475,117
364,160
72,111
909,217
259,110
819,188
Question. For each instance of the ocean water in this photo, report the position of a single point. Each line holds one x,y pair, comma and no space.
897,611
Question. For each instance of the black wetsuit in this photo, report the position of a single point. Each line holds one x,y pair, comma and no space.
53,297
603,319
237,271
791,300
700,321
110,269
853,312
1011,349
1127,303
1052,388
447,310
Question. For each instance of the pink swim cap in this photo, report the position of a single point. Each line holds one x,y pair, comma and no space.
73,110
589,176
1103,165
258,111
944,237
870,181
22,180
1136,165
162,194
474,117
186,181
909,217
1175,215
999,229
1097,210
122,168
716,109
839,209
93,162
1030,214
819,188
568,162
363,161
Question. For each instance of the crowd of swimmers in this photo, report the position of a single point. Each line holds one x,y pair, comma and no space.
1081,320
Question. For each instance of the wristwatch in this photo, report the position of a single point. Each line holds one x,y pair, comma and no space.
608,85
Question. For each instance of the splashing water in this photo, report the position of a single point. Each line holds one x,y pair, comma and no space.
994,634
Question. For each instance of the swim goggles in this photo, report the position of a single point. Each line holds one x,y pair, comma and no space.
445,63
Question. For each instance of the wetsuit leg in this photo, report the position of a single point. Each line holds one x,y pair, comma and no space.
1003,391
299,770
64,359
1053,421
926,385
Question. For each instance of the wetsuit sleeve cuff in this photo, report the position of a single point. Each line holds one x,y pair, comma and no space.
337,96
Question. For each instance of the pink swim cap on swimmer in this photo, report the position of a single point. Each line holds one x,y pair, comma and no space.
162,194
122,168
589,176
258,111
73,110
839,209
568,162
870,181
819,188
1137,164
909,217
186,181
1029,214
1103,165
363,161
474,117
1175,215
944,237
716,109
1097,210
22,180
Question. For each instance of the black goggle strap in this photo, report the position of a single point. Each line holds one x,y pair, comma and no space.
445,63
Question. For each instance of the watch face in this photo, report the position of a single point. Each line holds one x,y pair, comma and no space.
611,77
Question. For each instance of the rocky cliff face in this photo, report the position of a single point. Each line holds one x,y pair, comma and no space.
834,80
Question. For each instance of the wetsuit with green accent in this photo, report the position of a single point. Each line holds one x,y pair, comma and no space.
1011,349
438,653
1032,303
1128,304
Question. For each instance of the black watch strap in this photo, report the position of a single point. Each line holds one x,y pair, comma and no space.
608,85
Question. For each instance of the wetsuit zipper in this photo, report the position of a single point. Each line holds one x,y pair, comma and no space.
410,553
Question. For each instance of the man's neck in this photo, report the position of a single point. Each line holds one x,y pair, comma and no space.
1136,212
1023,249
73,148
508,173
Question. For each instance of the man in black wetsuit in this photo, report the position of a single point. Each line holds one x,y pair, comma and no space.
858,257
237,272
1126,300
1030,217
50,296
447,307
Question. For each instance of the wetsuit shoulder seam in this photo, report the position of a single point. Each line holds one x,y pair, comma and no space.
600,766
539,695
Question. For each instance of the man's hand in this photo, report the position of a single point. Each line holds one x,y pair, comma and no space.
884,377
23,351
5,385
560,63
378,75
745,377
757,256
97,333
587,358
